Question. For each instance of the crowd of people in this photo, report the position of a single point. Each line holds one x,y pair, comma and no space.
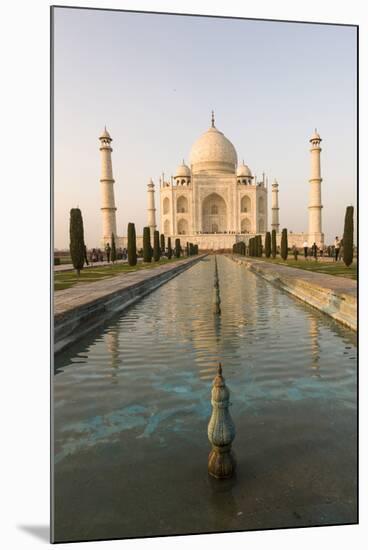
97,255
334,251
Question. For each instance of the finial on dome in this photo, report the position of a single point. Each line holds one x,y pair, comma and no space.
219,369
213,119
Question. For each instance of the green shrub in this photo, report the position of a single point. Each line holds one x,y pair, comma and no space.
156,246
162,244
76,233
348,243
268,244
113,248
284,244
177,248
169,249
147,248
273,244
132,245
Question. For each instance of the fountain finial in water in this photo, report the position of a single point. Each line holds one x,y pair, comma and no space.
221,430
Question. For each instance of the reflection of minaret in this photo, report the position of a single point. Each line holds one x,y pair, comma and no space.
112,345
315,205
108,207
275,207
314,345
151,210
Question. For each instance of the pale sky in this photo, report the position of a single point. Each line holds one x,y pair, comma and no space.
153,80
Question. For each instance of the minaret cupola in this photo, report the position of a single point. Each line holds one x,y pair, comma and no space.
182,175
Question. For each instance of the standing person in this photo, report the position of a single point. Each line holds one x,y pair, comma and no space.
341,251
337,248
305,246
314,250
108,251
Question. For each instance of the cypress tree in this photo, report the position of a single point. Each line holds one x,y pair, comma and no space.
132,245
76,234
273,244
348,236
251,250
162,244
177,248
156,246
284,244
169,249
268,244
113,248
147,249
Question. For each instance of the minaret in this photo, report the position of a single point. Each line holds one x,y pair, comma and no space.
315,206
275,207
108,207
151,210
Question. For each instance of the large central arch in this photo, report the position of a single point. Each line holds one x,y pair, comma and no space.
214,214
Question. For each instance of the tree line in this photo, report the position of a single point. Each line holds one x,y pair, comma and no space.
78,250
255,247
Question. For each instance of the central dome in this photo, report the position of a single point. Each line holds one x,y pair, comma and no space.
213,152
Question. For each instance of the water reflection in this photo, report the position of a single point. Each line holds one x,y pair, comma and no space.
132,401
162,354
112,346
314,335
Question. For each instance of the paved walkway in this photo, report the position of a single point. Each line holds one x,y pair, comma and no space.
85,293
339,285
335,296
69,267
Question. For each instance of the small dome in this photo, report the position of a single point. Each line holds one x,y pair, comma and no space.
105,135
315,136
213,152
243,171
183,171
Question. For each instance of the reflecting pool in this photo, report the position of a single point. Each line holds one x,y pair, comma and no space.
132,403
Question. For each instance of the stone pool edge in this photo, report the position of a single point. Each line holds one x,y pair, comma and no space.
339,305
76,322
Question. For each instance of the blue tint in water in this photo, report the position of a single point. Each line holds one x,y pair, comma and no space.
135,396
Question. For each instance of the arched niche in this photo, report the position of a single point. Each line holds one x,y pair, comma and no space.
182,205
245,204
214,214
166,205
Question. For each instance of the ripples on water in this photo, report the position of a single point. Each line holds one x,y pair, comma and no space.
152,366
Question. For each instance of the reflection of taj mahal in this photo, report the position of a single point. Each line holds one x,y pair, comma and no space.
213,202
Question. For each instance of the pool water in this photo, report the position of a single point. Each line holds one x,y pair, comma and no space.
132,404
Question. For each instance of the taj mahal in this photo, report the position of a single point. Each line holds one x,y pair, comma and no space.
214,200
